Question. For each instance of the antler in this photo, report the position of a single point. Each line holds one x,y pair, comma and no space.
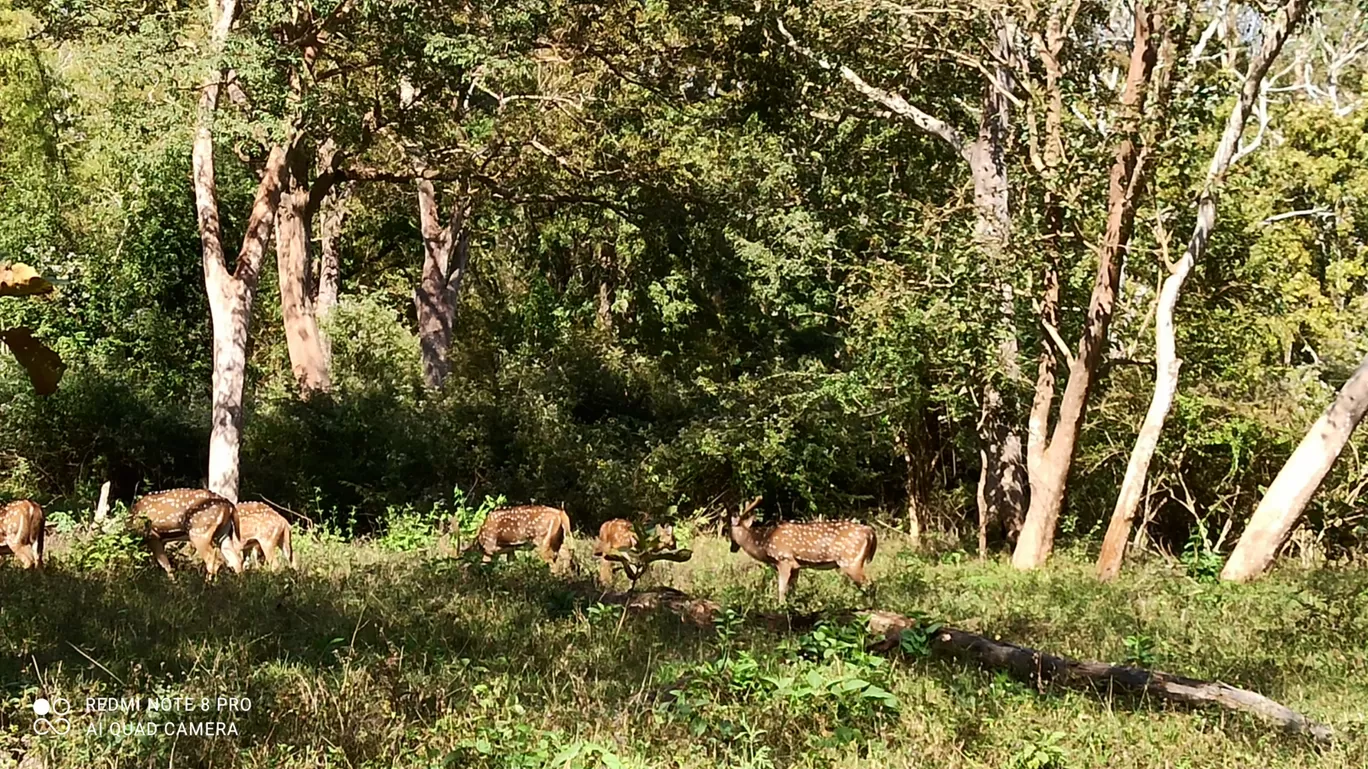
752,505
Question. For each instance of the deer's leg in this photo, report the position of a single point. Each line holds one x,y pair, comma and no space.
269,553
24,552
788,570
546,553
232,553
159,553
856,572
605,572
204,546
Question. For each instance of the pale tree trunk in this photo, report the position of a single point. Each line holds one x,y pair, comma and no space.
334,213
229,293
910,487
294,261
1299,479
1167,363
1054,458
1002,475
446,252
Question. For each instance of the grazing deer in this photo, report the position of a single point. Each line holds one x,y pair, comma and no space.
199,515
619,534
21,532
547,529
262,529
846,545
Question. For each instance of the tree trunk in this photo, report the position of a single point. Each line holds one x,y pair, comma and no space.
435,297
229,293
330,264
910,487
1050,473
1299,479
308,358
1167,363
1002,476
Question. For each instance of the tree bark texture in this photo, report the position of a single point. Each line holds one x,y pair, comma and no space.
1298,480
1167,363
1003,475
446,252
294,262
1050,471
229,293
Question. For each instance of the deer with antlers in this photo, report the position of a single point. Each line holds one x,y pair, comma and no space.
198,515
619,534
21,532
545,529
844,545
267,532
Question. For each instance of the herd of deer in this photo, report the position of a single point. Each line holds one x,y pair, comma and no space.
208,520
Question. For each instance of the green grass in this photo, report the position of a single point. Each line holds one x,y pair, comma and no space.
374,658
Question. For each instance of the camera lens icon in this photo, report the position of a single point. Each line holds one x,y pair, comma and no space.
57,708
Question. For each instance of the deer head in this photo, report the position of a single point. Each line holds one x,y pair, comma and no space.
742,522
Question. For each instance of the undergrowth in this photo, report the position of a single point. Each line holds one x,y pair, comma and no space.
390,653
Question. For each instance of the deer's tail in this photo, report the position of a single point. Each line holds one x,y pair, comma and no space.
40,541
871,546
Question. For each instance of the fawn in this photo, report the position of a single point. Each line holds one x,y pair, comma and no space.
547,529
263,529
21,532
619,534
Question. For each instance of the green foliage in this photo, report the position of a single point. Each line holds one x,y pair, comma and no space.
105,545
1139,650
1043,752
1200,558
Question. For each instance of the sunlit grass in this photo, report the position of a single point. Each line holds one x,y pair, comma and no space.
370,658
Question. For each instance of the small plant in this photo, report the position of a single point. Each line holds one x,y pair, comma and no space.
1200,558
407,529
952,558
1045,752
104,544
1139,650
465,518
63,522
915,641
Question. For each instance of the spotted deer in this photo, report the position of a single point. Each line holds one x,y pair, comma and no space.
198,515
266,531
619,534
21,532
546,529
844,545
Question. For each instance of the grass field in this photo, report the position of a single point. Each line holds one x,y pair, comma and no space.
372,658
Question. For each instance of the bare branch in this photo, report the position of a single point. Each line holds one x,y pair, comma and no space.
1058,340
1321,212
889,99
1260,110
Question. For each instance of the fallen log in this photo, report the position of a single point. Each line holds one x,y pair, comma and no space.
1030,665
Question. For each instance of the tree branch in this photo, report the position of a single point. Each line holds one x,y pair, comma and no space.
889,99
